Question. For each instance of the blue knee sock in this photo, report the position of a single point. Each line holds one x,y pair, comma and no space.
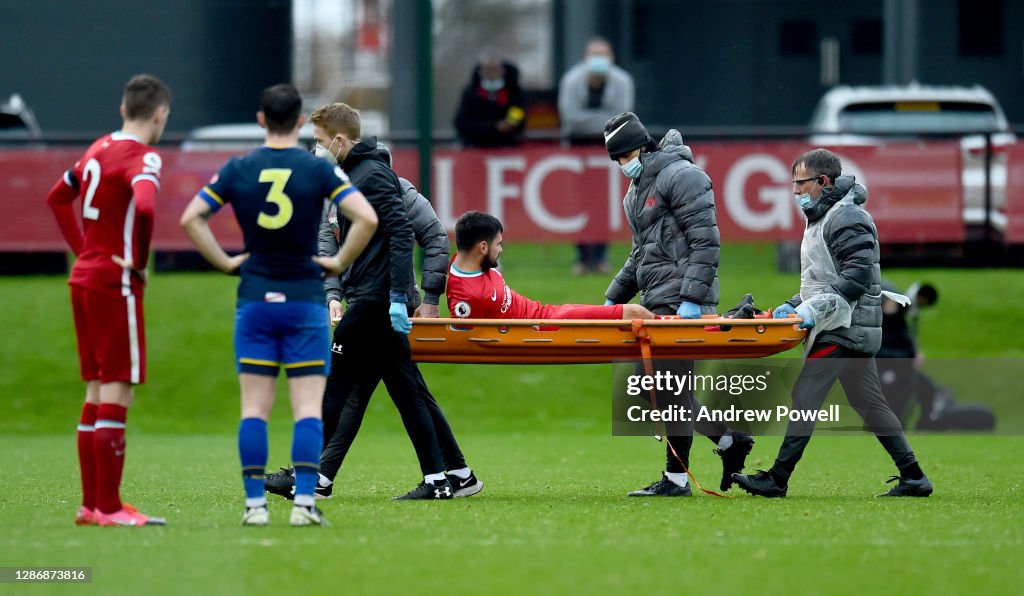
307,442
252,448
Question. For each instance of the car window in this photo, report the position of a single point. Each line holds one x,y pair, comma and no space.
11,125
917,117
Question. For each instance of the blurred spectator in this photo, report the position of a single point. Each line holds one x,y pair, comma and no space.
589,94
901,371
491,112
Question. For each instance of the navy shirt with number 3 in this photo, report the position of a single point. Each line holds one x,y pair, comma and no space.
278,197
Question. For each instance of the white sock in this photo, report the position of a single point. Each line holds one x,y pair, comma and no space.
325,481
257,502
678,478
725,442
461,473
304,500
431,478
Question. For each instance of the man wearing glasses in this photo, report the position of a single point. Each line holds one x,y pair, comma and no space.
840,302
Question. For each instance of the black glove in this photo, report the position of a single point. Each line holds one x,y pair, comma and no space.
744,310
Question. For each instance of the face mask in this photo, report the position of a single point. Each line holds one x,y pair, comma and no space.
492,85
633,168
598,64
804,201
323,153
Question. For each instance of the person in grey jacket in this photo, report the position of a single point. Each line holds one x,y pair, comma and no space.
592,91
673,263
840,301
589,93
431,236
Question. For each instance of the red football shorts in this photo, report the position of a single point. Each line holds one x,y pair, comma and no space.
111,340
581,311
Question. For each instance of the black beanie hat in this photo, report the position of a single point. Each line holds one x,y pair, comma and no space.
624,133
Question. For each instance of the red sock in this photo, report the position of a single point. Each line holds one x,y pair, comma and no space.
108,441
87,455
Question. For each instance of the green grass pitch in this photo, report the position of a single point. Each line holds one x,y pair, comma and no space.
553,517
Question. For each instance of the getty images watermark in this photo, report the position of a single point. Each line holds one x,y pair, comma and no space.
666,382
756,396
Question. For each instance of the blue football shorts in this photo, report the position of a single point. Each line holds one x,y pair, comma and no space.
295,335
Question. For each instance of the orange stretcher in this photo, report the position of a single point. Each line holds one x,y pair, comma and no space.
550,341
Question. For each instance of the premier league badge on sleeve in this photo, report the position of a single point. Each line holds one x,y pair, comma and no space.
462,310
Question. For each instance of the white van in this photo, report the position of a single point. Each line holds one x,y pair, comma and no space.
872,115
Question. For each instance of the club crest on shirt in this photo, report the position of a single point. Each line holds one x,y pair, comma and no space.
462,310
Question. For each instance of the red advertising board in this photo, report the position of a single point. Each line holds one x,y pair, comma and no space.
548,194
29,174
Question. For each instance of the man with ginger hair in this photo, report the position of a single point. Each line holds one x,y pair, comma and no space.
370,343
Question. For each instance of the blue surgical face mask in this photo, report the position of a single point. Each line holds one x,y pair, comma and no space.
492,85
633,168
805,200
598,64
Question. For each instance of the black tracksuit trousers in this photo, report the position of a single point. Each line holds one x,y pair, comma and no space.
365,351
858,374
679,435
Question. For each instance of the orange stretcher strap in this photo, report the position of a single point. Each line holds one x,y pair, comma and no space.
640,330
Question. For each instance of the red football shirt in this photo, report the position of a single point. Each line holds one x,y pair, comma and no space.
118,178
485,295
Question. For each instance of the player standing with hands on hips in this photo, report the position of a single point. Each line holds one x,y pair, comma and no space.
118,178
278,193
840,301
673,263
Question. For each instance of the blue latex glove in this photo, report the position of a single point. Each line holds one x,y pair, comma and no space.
808,318
400,317
783,311
688,310
608,302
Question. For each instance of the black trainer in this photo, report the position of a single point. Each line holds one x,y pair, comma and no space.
663,488
439,490
762,484
734,457
465,487
324,492
283,484
922,487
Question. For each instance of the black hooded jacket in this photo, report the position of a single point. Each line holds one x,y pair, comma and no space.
480,111
386,263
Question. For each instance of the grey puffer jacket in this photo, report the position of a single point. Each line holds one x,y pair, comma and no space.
429,233
676,246
851,240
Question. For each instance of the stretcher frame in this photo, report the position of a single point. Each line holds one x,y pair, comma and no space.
576,341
